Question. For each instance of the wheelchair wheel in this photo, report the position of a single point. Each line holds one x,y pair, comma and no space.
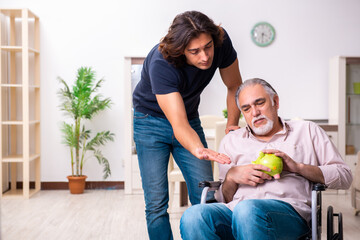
330,223
341,233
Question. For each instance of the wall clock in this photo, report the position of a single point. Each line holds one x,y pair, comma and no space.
263,34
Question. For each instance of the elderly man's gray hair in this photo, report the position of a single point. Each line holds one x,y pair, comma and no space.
253,81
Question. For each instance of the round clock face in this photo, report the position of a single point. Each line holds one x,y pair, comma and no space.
263,34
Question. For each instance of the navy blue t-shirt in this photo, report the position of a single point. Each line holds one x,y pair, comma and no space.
160,77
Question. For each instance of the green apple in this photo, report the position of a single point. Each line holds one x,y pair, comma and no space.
271,161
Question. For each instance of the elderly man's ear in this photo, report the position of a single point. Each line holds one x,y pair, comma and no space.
276,101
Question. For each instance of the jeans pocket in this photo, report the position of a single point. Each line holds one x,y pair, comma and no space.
139,115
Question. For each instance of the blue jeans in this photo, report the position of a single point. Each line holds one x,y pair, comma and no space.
155,141
251,219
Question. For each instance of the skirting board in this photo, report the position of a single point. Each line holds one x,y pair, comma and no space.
65,185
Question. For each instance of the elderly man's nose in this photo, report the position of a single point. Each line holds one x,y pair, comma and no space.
255,111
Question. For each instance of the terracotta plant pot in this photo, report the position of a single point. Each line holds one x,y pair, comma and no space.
76,184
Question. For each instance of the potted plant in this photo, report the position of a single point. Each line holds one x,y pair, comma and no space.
80,103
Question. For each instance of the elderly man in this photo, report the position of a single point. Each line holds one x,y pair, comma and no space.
253,205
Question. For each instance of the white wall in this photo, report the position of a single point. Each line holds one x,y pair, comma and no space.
100,33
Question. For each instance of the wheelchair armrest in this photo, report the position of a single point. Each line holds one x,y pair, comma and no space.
213,185
208,186
319,187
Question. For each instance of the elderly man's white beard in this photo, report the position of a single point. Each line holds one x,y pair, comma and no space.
264,129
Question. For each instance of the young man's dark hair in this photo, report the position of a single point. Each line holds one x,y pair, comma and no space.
185,27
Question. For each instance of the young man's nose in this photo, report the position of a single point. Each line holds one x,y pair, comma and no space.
204,56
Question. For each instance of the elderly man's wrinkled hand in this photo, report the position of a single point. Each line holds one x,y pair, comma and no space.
289,164
251,174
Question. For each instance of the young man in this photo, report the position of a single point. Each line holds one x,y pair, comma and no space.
253,205
166,118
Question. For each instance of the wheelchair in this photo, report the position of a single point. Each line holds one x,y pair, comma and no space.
316,210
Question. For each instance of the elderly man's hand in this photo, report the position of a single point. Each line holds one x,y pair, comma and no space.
208,154
250,174
288,163
310,172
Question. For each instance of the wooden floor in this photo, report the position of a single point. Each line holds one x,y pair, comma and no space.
108,214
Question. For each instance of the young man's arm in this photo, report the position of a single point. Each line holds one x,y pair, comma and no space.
232,80
173,107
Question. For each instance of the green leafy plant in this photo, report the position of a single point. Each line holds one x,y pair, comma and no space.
225,113
81,103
